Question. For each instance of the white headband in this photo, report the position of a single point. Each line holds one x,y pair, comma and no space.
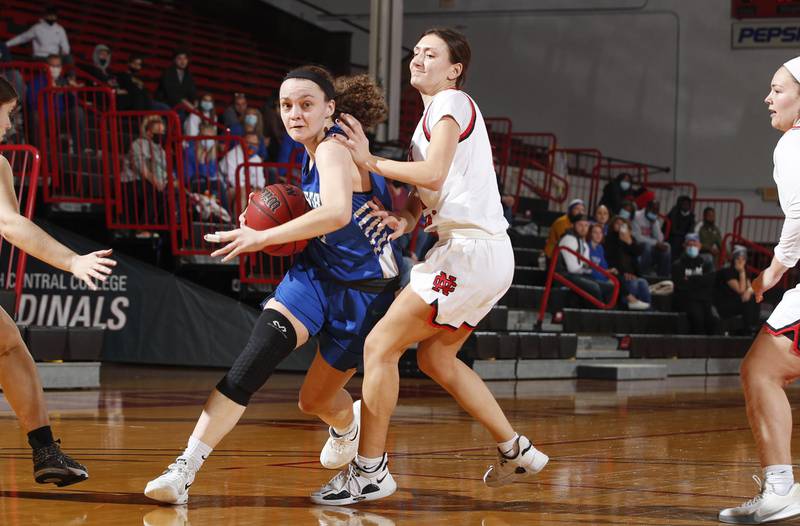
794,67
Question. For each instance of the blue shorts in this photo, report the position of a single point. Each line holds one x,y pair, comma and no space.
341,316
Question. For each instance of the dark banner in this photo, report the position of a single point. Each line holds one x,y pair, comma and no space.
151,316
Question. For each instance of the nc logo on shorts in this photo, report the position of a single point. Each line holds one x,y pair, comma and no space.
444,283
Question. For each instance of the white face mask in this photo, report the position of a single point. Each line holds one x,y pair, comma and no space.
692,251
251,120
55,71
207,105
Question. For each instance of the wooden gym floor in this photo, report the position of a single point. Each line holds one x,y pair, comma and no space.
663,452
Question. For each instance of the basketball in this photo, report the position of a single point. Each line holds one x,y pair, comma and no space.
275,205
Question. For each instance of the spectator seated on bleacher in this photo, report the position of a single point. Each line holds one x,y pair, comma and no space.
69,115
100,69
144,174
132,94
694,277
682,222
616,191
629,283
177,85
191,126
576,270
656,256
628,210
254,123
733,295
576,208
255,174
602,217
710,235
233,116
47,36
201,174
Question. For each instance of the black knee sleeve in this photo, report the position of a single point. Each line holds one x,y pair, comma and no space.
273,339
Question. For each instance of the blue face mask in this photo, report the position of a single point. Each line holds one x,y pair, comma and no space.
625,185
692,251
651,216
251,120
624,214
207,105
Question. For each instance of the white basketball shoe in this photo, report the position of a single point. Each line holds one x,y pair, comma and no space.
767,506
173,485
355,484
528,461
341,450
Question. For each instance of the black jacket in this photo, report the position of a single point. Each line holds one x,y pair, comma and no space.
172,91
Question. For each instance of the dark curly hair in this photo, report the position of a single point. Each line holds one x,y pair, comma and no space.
357,95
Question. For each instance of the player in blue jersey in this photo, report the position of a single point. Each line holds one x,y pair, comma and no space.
337,289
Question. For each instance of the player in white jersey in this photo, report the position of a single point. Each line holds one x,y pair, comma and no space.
773,360
468,270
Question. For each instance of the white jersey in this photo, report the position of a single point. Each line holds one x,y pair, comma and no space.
469,200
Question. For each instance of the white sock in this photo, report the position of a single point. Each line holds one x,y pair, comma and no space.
780,476
368,464
347,431
196,452
509,448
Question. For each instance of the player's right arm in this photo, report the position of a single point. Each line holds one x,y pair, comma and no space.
25,235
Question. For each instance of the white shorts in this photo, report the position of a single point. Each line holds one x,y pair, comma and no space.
785,319
462,279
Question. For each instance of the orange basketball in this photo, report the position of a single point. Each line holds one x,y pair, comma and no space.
275,205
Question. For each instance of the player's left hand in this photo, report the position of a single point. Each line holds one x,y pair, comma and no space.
95,265
240,240
356,140
389,220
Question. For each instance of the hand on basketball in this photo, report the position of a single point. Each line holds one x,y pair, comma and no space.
243,239
356,141
89,267
389,220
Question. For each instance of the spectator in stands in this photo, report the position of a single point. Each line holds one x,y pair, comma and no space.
132,94
575,269
617,191
47,36
694,278
233,116
191,126
68,113
647,232
232,160
200,166
628,210
733,295
622,253
575,209
177,85
101,66
601,217
683,222
144,174
710,236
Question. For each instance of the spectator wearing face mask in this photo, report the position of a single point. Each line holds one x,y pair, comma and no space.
617,191
254,174
144,174
710,235
47,36
132,94
682,222
191,126
69,114
656,255
559,227
233,117
201,173
694,278
100,69
733,293
622,253
575,269
628,210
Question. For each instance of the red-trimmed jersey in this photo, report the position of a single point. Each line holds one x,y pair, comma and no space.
469,198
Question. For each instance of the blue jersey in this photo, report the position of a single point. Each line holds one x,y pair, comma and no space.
357,251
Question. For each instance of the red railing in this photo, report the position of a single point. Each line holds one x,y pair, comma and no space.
762,229
25,164
139,170
667,193
259,267
581,168
21,75
553,275
70,122
203,201
539,180
727,210
499,130
224,130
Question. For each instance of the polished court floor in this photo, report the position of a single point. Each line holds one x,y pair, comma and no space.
662,452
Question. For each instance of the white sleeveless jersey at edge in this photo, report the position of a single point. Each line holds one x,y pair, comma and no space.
469,197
